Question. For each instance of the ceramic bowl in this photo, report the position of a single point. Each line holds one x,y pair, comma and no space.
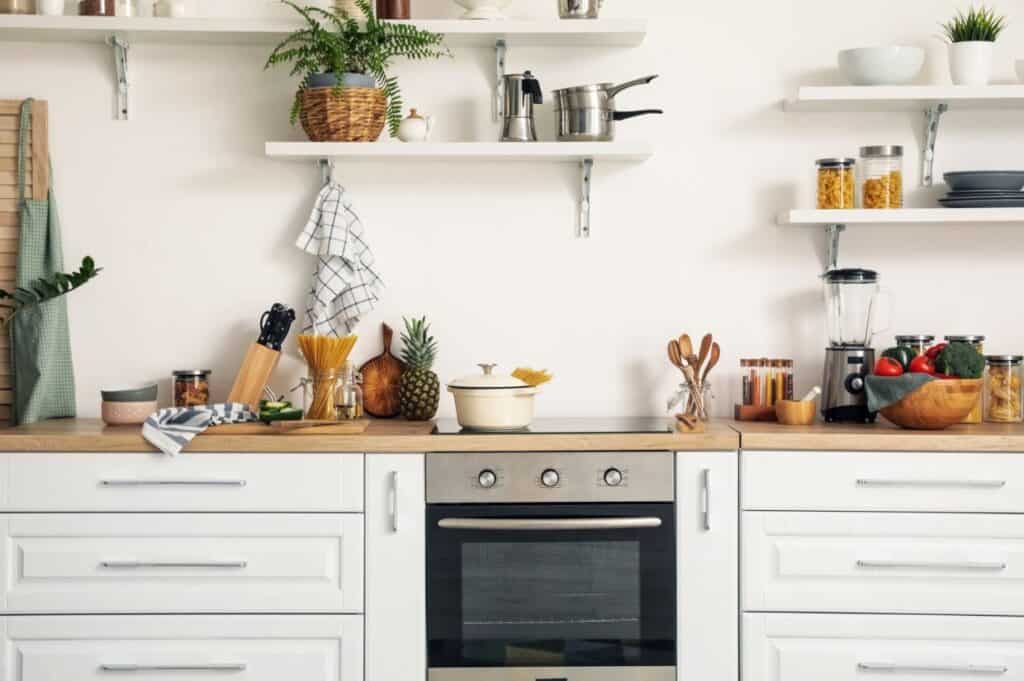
888,65
936,405
483,9
795,412
142,393
126,413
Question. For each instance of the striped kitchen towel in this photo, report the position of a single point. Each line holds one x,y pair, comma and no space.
345,285
170,430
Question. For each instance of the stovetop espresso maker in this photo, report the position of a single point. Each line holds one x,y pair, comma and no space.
522,92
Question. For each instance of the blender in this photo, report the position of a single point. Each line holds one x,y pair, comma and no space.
853,304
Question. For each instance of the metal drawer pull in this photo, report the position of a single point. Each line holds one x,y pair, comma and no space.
967,484
172,483
930,565
213,667
141,564
937,669
394,501
705,499
547,523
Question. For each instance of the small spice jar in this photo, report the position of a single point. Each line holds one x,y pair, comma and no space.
881,177
836,182
917,343
191,387
1002,392
348,399
978,343
96,8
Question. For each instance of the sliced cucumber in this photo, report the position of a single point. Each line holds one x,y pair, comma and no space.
286,414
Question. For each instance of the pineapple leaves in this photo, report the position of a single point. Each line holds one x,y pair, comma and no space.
420,348
334,42
47,288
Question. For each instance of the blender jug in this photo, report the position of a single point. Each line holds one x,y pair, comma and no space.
855,307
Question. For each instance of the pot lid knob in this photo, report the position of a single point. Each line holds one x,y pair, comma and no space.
488,368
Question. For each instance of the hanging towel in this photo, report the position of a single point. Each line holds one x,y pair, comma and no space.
170,430
345,285
44,378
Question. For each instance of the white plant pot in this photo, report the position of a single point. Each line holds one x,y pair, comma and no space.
970,63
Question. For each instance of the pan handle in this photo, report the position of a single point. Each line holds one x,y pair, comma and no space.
624,115
616,89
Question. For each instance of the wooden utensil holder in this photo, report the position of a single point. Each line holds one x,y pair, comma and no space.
259,363
746,412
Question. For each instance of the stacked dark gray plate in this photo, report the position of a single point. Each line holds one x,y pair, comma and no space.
984,189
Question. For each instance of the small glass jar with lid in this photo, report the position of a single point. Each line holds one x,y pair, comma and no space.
348,398
836,183
881,177
917,343
1002,392
191,387
978,343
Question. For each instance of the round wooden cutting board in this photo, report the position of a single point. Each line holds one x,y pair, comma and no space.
381,376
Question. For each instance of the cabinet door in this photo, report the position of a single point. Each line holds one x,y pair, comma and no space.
707,503
396,612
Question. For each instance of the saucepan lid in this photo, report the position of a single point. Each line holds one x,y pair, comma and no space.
488,380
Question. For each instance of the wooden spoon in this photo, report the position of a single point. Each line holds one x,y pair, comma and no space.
705,349
716,354
674,354
686,347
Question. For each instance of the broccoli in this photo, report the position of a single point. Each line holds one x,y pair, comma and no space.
960,359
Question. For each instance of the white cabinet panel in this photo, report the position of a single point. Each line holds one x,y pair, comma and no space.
891,647
707,532
883,481
179,562
396,613
883,562
184,648
200,482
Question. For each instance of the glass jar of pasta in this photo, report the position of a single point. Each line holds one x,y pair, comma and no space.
836,182
881,177
1002,392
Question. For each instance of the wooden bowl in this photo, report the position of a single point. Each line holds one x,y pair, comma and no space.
795,412
936,405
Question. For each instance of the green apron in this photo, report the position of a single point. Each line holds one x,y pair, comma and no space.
44,380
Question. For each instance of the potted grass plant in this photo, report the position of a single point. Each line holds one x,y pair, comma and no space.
972,37
346,93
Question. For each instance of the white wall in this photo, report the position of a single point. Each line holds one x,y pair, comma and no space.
195,226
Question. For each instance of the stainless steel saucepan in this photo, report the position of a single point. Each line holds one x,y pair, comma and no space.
587,113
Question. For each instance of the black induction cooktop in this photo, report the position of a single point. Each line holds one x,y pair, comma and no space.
569,427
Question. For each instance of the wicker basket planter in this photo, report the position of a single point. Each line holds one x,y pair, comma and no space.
355,114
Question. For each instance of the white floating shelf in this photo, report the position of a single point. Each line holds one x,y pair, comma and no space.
906,98
462,151
902,216
515,32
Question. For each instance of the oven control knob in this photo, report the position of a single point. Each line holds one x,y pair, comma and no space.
613,477
549,478
487,478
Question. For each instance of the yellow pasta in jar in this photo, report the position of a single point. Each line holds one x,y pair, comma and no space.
836,182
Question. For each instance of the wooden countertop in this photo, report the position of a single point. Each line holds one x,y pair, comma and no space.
985,437
82,435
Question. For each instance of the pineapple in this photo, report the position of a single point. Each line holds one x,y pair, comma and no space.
419,389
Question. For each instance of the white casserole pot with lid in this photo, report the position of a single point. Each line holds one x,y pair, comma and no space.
489,401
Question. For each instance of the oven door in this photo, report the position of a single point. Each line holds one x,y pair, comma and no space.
551,586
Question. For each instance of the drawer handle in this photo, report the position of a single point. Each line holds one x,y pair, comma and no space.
142,564
212,667
705,499
931,565
967,484
136,482
934,669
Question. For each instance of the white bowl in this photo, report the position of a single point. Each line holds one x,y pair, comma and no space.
1020,70
889,65
483,9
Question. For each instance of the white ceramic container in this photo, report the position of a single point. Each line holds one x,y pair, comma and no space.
50,8
492,402
483,9
415,127
886,65
970,63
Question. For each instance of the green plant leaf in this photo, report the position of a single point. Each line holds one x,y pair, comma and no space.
47,288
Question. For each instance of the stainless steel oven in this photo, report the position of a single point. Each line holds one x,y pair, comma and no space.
551,567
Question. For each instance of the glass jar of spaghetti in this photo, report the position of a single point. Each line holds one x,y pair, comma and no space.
320,395
191,387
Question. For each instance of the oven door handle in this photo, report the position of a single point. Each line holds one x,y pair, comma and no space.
548,524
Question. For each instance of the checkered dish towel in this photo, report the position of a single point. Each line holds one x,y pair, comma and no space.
345,285
170,430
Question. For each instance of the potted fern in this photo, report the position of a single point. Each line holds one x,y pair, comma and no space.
346,93
971,38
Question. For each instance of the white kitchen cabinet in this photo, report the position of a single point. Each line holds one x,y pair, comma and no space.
707,503
183,647
396,614
793,647
181,562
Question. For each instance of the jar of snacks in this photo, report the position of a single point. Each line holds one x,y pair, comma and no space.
881,177
917,343
836,182
978,343
1002,393
192,387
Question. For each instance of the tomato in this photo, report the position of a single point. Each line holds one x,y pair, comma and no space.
887,366
933,352
922,364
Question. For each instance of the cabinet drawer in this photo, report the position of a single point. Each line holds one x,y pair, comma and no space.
183,648
890,647
883,481
200,482
883,562
180,562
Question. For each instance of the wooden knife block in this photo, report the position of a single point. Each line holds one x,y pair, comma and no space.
259,363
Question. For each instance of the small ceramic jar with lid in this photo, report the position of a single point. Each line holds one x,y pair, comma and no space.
415,127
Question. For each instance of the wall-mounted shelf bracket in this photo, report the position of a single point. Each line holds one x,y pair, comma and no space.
500,55
932,117
326,171
121,46
586,177
832,233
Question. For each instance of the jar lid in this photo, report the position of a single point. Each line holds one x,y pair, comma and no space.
191,373
1004,359
915,338
965,339
836,162
851,276
488,380
882,151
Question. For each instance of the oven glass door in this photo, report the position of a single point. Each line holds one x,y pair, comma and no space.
551,585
